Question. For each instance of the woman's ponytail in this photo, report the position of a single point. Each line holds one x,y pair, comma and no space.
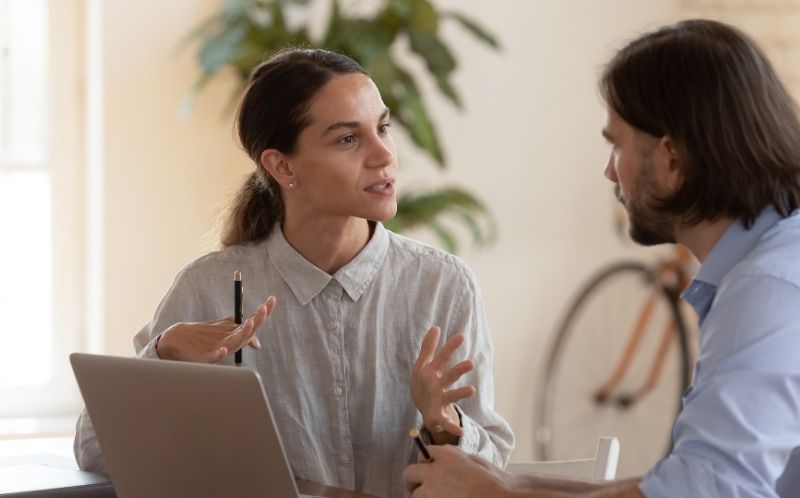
254,211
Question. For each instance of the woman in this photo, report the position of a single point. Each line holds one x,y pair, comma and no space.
347,336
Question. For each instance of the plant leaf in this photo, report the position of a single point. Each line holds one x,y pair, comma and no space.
435,53
202,31
424,16
473,28
446,237
431,209
221,48
414,115
234,9
449,92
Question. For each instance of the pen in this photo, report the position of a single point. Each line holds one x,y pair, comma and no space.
237,313
414,433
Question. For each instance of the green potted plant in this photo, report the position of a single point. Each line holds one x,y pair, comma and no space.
242,32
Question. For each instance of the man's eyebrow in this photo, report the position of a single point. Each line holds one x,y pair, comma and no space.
352,124
607,135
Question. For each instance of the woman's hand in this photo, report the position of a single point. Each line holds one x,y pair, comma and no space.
431,381
210,342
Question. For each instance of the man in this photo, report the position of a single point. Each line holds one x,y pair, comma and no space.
705,152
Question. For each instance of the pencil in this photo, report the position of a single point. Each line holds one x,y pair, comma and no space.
238,309
414,433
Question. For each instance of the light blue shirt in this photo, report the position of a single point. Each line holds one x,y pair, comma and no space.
740,423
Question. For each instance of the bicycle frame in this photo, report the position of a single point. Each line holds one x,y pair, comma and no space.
671,280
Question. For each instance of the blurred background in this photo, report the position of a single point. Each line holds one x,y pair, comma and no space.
107,189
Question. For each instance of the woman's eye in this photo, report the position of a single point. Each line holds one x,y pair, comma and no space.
347,140
384,128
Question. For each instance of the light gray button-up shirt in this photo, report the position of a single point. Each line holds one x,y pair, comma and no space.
337,352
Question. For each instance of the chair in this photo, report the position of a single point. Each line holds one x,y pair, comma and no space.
603,467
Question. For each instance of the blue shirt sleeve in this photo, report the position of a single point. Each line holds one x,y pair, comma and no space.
741,419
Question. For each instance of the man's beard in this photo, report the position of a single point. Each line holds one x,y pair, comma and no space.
647,226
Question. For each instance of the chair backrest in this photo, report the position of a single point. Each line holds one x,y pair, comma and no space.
603,467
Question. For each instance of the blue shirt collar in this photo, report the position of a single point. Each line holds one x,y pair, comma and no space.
735,244
732,247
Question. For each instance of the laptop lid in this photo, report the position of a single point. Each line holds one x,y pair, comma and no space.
170,429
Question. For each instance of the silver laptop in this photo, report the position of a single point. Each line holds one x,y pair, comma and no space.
172,429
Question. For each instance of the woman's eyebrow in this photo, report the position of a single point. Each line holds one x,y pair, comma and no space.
339,125
352,124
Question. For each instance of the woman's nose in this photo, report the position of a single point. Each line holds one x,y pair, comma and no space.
382,152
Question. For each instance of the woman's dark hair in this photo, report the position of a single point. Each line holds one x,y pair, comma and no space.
709,87
272,113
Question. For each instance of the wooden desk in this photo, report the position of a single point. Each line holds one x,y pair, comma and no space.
39,468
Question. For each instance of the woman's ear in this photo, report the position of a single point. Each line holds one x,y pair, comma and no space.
278,167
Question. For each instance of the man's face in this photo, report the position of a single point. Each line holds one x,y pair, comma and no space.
634,165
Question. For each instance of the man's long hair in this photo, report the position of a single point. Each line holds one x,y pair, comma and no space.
711,89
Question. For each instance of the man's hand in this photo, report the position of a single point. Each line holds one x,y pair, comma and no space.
431,381
454,474
210,342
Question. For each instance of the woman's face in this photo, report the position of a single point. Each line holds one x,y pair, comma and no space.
345,160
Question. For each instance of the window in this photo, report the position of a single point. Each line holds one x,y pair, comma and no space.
41,182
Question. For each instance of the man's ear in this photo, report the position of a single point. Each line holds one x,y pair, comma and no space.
670,167
278,167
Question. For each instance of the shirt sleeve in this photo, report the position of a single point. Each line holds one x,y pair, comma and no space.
741,419
179,304
86,448
176,305
486,433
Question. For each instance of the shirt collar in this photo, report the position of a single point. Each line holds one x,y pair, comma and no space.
732,247
356,275
306,280
735,244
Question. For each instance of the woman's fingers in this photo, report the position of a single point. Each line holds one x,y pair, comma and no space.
240,337
263,312
458,394
271,302
452,427
442,358
254,342
222,321
216,355
455,373
428,347
231,336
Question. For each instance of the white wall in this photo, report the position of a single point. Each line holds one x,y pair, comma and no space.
529,142
164,176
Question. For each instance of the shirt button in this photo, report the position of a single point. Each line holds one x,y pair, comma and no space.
333,325
344,459
337,390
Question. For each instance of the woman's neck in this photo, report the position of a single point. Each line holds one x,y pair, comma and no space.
328,243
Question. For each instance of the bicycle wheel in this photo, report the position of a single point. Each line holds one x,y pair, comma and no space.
596,375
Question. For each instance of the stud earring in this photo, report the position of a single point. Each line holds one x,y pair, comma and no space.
291,184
